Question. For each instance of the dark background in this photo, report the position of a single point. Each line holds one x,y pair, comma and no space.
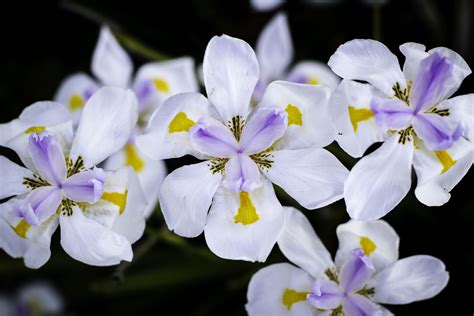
42,42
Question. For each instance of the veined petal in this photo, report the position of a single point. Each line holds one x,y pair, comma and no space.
461,110
230,74
241,174
107,121
167,135
12,177
244,226
379,181
212,138
414,53
314,177
90,242
349,109
86,186
438,172
274,48
185,197
358,305
110,62
326,294
279,289
313,73
437,132
391,114
307,109
39,205
377,239
370,61
409,280
355,271
300,244
264,127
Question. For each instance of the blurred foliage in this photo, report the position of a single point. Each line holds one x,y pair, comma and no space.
42,42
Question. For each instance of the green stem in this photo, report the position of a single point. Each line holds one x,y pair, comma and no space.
376,21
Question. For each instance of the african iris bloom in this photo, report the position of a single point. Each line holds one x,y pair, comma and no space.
280,142
409,111
153,83
100,213
366,273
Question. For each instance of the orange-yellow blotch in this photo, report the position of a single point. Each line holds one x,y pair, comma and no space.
119,199
22,228
35,129
247,213
294,115
133,159
161,85
367,245
359,115
180,123
291,297
76,102
313,81
445,159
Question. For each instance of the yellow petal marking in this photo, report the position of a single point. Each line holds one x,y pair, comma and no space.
359,115
446,160
35,129
180,123
161,85
291,297
133,159
367,245
76,102
22,228
119,199
313,80
247,213
294,115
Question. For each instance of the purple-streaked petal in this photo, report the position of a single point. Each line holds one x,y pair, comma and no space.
242,174
391,113
263,129
48,157
326,294
436,131
211,137
357,305
87,186
39,205
433,82
356,271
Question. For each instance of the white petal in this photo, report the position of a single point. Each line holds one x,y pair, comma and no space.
436,173
315,73
265,5
349,109
377,239
308,118
300,244
379,181
185,197
413,53
267,288
110,62
409,280
274,48
91,243
244,226
167,135
46,298
230,74
12,177
461,109
313,177
370,61
107,121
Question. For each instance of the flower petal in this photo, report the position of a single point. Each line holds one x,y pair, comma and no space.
409,280
314,177
86,186
300,244
12,177
377,239
244,226
370,61
379,181
279,289
355,271
391,114
91,243
437,132
349,109
461,109
358,305
326,294
211,137
314,73
242,174
185,197
308,122
107,121
414,53
265,5
39,205
230,74
274,48
110,62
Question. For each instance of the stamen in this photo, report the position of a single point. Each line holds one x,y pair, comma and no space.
236,125
434,110
402,94
66,207
35,183
338,312
217,165
263,159
76,167
331,275
366,291
406,134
